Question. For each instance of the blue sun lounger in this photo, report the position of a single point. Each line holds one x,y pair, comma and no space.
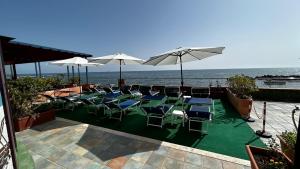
155,97
113,95
71,102
198,101
158,112
120,108
133,93
93,106
198,114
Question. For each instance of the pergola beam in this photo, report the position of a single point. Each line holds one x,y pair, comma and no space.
18,52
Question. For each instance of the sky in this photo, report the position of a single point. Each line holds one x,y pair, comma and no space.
256,34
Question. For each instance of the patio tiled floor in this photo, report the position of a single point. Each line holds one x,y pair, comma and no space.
67,144
278,117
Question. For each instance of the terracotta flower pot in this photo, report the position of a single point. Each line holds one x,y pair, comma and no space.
286,148
24,123
243,106
252,151
44,117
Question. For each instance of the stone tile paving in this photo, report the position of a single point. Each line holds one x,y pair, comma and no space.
67,144
278,117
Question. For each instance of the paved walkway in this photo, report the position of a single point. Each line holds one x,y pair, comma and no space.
68,144
278,118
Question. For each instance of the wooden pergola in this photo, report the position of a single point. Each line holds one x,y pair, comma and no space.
15,52
12,53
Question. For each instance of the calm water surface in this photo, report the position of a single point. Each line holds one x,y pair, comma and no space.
191,77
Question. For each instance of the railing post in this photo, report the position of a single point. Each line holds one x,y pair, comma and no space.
263,133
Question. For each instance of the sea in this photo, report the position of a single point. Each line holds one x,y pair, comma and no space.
203,77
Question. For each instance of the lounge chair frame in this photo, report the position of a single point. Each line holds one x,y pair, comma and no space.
200,120
133,93
157,116
186,90
173,92
74,103
203,92
91,103
160,89
111,106
55,100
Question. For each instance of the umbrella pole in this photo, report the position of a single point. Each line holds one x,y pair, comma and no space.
120,75
68,73
78,73
86,75
80,87
73,72
181,71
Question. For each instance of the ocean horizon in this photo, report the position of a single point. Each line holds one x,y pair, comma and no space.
82,69
199,77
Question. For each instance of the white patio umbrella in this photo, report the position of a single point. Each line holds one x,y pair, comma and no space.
183,54
118,58
75,61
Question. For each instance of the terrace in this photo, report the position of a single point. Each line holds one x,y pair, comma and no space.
56,145
77,138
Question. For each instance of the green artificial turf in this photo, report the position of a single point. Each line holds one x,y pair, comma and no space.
227,133
24,159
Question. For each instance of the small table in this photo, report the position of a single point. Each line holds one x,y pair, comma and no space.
178,113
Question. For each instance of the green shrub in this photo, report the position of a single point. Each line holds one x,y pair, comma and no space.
55,81
290,138
24,91
242,86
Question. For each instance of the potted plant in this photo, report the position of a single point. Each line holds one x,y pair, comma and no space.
288,142
268,158
239,92
23,93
